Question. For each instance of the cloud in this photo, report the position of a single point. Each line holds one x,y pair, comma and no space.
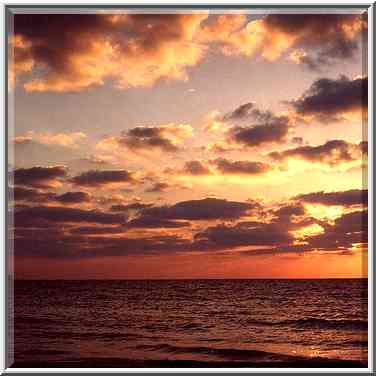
243,234
82,246
273,132
346,231
290,210
343,198
332,153
264,127
321,39
228,167
287,234
330,37
145,221
73,52
240,113
330,100
349,229
299,56
30,195
204,209
61,53
39,231
164,138
31,216
34,195
219,167
69,140
96,230
40,177
195,168
73,197
97,178
129,207
297,140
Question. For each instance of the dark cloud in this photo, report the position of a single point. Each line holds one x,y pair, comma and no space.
195,168
44,239
96,230
73,197
97,178
290,210
134,206
205,209
244,234
148,221
364,147
225,166
273,132
33,215
328,38
165,138
349,229
127,48
39,177
249,112
83,246
145,140
345,198
240,113
332,153
288,249
328,100
30,195
222,166
354,222
297,140
263,127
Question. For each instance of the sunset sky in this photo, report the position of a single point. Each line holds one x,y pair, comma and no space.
196,145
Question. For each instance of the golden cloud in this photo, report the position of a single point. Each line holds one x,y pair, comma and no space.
74,52
48,138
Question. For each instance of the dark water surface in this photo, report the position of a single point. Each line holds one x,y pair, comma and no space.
188,323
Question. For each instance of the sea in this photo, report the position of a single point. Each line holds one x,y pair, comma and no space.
190,323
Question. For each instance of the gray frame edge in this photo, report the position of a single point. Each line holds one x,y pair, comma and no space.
179,6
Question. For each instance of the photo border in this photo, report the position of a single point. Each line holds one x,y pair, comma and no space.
8,260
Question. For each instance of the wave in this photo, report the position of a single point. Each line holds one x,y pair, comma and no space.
19,320
202,350
312,323
100,336
190,363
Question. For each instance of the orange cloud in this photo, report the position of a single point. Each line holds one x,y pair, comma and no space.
47,138
74,52
328,37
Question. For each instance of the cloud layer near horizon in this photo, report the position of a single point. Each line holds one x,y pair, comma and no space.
206,225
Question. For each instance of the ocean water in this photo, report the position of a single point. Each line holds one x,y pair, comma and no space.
191,323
